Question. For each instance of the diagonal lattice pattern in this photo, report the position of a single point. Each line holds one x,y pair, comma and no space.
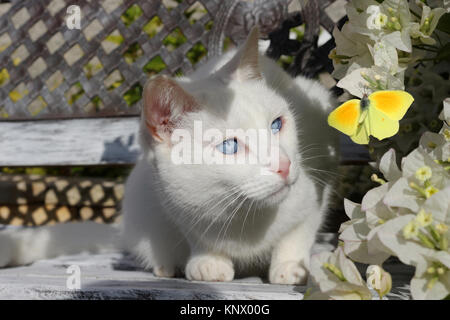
48,64
37,200
49,71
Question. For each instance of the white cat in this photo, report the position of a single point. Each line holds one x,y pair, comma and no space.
210,221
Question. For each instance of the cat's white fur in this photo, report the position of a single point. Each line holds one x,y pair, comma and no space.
189,217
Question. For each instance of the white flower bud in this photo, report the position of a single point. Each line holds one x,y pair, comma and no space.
379,280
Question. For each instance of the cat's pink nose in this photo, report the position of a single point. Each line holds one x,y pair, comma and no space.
283,167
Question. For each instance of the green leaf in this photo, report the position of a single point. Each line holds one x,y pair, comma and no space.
15,96
133,53
4,76
443,53
155,65
131,15
153,26
133,95
444,23
197,52
115,39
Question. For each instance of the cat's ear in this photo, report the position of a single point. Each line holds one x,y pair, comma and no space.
164,102
245,64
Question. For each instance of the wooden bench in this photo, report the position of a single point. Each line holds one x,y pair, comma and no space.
70,98
117,276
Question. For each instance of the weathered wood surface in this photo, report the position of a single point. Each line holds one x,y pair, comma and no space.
69,142
90,142
116,276
113,276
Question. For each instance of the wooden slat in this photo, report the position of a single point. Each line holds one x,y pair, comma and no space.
96,141
117,276
69,142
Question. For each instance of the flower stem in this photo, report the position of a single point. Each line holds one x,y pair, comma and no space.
375,178
432,282
426,240
418,189
335,270
443,244
436,236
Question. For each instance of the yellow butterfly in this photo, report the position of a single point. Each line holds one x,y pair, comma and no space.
376,115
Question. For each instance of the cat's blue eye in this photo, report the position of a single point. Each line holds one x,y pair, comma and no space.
229,146
276,125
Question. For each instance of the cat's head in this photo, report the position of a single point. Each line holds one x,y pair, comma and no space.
188,120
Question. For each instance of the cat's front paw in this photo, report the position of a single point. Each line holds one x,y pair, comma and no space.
288,272
209,268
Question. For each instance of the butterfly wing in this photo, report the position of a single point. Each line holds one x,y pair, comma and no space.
380,125
361,135
393,103
345,117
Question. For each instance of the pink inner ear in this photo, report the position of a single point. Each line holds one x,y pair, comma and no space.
164,102
158,117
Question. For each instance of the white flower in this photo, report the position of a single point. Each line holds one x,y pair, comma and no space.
358,16
430,190
379,35
424,219
439,206
411,230
408,192
408,215
337,278
385,56
356,82
445,114
436,145
390,21
421,242
376,19
392,236
379,280
423,173
355,236
400,40
377,230
432,278
418,159
428,22
351,52
388,166
446,134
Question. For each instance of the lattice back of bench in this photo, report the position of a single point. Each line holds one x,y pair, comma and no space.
42,49
47,70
